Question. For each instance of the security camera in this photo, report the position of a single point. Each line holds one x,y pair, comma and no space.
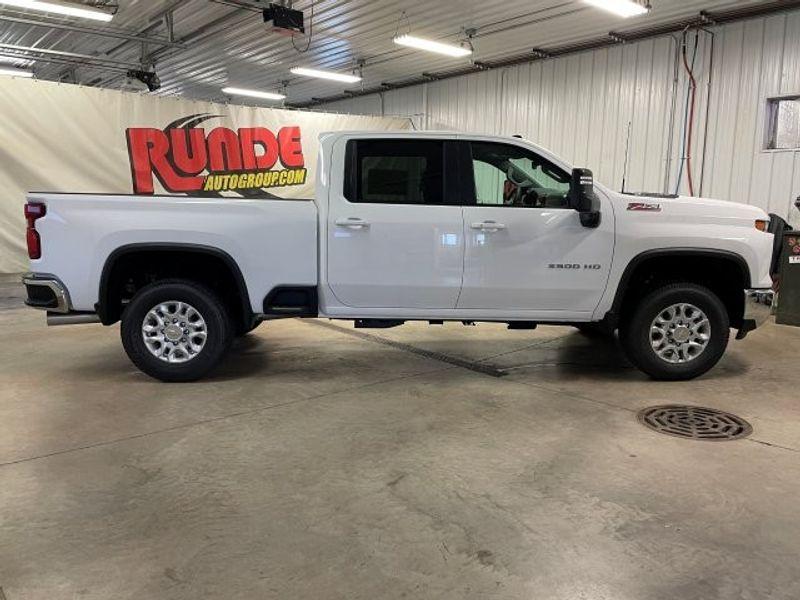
283,19
148,79
134,85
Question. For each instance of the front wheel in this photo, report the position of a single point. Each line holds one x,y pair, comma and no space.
176,330
677,332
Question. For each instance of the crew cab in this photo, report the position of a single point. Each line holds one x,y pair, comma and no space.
407,226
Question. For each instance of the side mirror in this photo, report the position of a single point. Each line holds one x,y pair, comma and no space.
583,199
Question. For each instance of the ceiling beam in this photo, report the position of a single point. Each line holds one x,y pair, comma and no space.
110,33
31,52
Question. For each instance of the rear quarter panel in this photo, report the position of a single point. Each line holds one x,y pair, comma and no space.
274,242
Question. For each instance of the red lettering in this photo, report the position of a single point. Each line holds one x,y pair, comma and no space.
224,151
148,149
189,154
251,137
291,149
177,156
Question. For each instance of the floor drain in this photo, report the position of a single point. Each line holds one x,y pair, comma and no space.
695,423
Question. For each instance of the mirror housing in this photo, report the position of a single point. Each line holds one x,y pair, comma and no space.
583,199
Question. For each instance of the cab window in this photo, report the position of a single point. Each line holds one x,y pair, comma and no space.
507,175
395,171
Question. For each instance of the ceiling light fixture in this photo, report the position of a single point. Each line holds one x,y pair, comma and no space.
234,91
15,72
61,8
621,8
431,46
332,75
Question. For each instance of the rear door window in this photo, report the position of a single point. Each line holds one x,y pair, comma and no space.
395,171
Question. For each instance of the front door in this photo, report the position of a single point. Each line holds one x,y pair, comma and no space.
526,250
395,228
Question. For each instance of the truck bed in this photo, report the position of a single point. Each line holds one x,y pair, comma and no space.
273,242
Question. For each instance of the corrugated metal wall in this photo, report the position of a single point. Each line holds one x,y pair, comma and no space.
581,107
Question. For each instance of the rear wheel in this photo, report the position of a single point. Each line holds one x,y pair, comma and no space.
176,330
677,332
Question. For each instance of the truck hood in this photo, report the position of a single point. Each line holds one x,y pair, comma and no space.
692,207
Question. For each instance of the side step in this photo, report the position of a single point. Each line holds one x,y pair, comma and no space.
377,323
71,318
292,301
522,325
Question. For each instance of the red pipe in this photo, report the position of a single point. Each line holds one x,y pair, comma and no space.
690,127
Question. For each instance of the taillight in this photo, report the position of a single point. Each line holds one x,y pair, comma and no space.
33,211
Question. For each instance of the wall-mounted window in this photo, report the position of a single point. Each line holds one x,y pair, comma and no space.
783,123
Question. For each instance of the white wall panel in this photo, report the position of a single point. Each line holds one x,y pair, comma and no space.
580,106
360,105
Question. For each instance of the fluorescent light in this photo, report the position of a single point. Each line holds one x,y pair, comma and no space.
15,60
15,72
621,8
61,8
431,46
234,91
333,76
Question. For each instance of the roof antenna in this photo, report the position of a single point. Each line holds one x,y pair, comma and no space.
627,155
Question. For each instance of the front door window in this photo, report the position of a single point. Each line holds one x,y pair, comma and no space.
507,175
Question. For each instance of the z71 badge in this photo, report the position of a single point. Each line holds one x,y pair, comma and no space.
644,206
574,266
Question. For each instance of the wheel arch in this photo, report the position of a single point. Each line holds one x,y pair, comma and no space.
110,311
661,265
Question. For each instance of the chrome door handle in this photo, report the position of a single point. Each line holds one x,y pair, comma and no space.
352,223
488,226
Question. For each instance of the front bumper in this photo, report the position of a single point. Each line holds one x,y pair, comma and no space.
46,292
757,309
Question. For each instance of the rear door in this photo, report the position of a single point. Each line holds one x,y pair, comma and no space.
526,250
395,225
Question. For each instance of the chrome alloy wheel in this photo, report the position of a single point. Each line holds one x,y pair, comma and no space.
174,331
680,333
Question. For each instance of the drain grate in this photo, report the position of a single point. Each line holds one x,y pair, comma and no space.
695,423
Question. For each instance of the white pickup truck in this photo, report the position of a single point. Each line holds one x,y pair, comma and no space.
407,226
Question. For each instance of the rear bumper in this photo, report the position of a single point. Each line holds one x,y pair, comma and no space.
46,292
757,309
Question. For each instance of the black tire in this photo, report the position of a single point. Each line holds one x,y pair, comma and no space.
635,333
218,326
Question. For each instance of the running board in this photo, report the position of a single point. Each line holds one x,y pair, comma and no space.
377,323
72,318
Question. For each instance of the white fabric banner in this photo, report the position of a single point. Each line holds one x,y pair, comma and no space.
67,138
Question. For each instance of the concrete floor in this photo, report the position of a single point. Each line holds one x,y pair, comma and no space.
318,464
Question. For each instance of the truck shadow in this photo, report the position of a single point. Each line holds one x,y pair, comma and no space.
573,356
603,358
248,356
569,357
